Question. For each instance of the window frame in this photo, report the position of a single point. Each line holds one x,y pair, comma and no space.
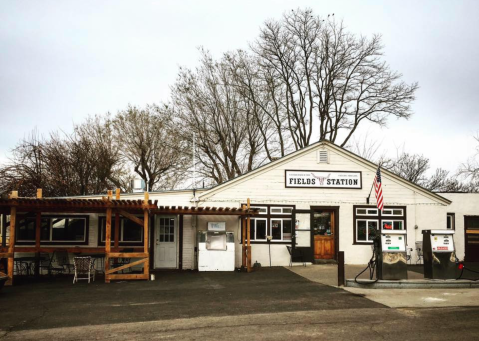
281,227
392,221
367,241
50,241
101,241
452,216
379,217
269,216
256,228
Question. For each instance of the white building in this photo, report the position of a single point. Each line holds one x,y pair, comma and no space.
315,198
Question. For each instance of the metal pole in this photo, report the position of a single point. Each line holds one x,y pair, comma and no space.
341,279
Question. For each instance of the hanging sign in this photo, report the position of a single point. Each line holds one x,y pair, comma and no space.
322,179
216,226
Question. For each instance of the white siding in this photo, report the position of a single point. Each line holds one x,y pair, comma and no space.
268,187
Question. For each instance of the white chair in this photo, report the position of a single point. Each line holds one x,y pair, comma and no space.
83,269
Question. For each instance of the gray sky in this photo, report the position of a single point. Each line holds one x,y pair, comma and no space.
61,61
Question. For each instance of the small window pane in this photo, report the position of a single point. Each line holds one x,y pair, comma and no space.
276,229
132,232
261,210
361,211
252,229
372,212
59,229
286,229
260,226
45,229
76,229
397,225
387,225
287,210
397,212
361,230
388,212
26,229
372,229
275,210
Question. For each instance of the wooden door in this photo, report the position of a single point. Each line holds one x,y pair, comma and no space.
323,228
471,229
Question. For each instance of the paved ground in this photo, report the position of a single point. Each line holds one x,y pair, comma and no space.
271,304
397,298
173,295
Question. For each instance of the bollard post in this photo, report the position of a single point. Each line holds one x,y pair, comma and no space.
341,280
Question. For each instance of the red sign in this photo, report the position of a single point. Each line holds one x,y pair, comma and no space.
442,248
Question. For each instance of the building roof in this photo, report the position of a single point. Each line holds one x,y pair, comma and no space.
366,163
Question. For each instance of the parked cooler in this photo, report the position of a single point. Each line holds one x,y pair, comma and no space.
439,254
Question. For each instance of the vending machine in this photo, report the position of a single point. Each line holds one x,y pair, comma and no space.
216,249
439,254
391,255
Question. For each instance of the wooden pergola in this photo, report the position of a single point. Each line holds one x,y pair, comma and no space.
120,207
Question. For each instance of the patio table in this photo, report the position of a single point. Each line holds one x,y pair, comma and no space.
100,257
28,261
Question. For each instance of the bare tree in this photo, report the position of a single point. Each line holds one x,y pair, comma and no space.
25,172
329,75
83,162
86,161
208,104
151,143
470,169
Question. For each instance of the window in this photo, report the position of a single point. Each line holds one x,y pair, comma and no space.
392,224
281,210
451,221
26,229
258,229
70,230
167,230
280,229
368,220
390,212
262,209
274,221
4,229
367,211
366,230
130,232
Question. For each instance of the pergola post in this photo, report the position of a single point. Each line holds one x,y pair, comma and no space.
11,244
116,247
4,230
243,240
38,226
248,230
146,216
108,240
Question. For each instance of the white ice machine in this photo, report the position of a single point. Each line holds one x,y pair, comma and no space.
216,251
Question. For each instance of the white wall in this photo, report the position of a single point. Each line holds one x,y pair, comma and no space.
463,204
267,187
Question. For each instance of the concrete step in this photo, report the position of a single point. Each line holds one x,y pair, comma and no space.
412,284
324,261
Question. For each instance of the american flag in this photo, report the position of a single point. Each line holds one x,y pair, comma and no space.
379,190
